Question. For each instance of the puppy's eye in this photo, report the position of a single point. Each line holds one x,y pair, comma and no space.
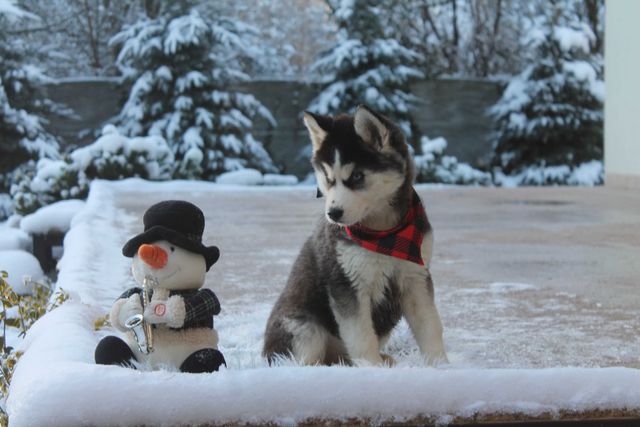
172,249
356,177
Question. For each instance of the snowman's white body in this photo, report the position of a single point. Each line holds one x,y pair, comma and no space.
183,270
171,348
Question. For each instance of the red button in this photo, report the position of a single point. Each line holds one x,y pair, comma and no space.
160,309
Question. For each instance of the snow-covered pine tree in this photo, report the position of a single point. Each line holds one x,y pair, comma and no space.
182,69
23,136
366,66
548,123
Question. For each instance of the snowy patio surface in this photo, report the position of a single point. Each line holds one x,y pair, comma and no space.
538,289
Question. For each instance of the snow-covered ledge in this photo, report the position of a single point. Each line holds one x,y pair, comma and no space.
56,378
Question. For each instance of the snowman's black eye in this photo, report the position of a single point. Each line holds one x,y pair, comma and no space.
172,249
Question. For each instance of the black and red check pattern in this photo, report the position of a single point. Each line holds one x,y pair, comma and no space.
403,241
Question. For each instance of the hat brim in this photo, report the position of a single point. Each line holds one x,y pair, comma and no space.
158,232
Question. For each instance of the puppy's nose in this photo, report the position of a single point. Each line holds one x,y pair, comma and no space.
335,214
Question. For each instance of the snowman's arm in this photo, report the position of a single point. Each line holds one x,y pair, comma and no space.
114,314
202,305
196,308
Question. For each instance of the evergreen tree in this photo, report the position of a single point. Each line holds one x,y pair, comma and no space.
182,69
23,137
366,66
551,114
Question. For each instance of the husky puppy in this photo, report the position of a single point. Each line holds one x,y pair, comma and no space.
342,299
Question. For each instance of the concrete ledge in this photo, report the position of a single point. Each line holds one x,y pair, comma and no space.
618,180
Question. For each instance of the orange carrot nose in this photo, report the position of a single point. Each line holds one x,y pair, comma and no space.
153,255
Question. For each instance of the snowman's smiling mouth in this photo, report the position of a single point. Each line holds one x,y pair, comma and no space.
170,275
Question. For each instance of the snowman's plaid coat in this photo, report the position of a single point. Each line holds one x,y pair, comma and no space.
200,306
403,241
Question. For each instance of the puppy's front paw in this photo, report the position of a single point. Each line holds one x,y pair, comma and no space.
436,358
388,360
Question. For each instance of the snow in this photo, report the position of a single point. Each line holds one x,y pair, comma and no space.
20,265
254,177
9,9
57,379
574,39
13,238
584,72
586,174
433,166
241,177
589,174
275,179
54,217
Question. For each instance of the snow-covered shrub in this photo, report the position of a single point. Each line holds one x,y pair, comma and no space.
47,181
112,156
366,66
433,166
181,69
551,115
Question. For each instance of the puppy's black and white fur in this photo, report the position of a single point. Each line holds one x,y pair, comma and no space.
342,301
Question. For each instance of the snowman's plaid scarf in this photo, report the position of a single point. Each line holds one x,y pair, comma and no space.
403,241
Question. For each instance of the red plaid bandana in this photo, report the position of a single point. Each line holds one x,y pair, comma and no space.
403,241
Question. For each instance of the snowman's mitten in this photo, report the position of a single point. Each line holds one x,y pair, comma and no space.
123,309
193,309
170,312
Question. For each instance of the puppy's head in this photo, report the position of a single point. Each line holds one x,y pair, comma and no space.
360,163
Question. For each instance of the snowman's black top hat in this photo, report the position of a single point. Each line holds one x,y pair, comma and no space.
177,222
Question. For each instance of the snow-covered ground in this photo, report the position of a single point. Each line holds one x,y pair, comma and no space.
515,346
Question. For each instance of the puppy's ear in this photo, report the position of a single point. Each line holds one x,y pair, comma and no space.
372,128
318,127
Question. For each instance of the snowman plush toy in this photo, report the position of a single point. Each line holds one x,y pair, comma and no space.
170,259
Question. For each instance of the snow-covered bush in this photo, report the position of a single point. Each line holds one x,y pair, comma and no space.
433,166
366,66
551,115
181,69
38,184
112,156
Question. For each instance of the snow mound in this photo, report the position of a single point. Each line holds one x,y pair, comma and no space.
275,179
55,217
12,238
241,177
20,265
254,177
